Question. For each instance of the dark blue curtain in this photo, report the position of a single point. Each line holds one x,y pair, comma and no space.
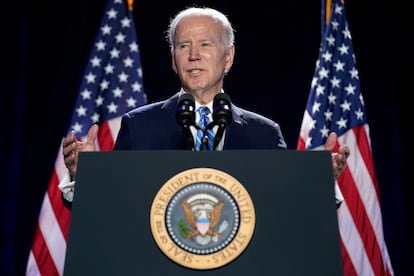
45,46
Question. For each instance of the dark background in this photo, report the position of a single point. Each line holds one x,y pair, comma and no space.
45,46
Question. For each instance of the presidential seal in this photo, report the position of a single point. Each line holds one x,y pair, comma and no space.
202,218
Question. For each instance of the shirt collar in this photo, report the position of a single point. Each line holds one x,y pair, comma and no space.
197,105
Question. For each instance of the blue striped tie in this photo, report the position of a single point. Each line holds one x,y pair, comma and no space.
203,123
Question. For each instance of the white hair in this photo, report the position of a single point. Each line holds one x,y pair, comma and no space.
197,11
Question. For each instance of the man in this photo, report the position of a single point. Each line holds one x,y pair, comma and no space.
202,50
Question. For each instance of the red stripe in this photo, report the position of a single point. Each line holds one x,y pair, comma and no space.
42,256
105,139
357,209
362,222
364,148
62,214
301,143
39,248
349,269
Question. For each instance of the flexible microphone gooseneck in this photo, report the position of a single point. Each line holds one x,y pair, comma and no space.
185,116
222,115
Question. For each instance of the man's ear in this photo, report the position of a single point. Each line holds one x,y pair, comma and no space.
174,67
229,58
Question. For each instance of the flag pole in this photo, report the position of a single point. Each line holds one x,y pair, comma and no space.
130,4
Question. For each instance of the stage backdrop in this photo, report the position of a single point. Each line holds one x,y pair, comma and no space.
45,47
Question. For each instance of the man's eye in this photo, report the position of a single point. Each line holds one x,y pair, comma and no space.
183,46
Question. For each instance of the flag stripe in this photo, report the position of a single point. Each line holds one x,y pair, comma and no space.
353,258
113,126
105,139
362,221
62,214
364,146
352,193
32,268
52,234
112,85
366,217
42,260
335,103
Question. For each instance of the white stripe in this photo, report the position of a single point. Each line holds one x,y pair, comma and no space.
348,230
306,122
114,126
360,173
54,239
353,242
32,268
366,189
365,186
379,228
48,223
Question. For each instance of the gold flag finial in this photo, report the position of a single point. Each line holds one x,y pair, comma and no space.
327,10
130,4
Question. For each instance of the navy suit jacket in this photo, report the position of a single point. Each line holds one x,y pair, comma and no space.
154,127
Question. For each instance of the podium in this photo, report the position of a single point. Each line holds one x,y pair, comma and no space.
295,228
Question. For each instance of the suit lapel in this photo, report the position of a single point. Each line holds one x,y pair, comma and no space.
235,131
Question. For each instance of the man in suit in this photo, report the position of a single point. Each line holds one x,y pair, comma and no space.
202,49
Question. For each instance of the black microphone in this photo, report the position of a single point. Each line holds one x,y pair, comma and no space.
185,116
222,115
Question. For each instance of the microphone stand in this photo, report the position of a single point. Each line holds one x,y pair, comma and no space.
185,117
219,135
188,136
222,115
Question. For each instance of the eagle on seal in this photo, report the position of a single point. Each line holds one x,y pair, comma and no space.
201,220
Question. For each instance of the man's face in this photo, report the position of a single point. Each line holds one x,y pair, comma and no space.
200,57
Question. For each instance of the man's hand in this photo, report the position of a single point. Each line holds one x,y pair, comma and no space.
72,146
338,158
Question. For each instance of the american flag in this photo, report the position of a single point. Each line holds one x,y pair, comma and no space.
112,85
335,104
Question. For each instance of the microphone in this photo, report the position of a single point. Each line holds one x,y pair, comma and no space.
222,115
185,116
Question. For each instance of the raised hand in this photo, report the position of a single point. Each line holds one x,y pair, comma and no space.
72,146
338,158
